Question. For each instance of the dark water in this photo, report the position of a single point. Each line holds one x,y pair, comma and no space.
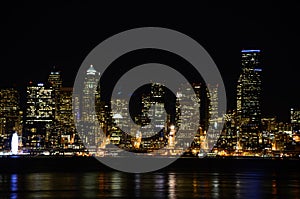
113,184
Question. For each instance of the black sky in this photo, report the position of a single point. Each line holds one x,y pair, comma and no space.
36,36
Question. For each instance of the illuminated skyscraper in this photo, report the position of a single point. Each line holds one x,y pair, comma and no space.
213,108
249,98
65,115
121,119
90,125
121,116
10,116
154,110
63,132
55,82
215,119
189,101
249,88
39,116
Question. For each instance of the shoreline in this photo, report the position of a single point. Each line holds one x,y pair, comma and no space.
27,164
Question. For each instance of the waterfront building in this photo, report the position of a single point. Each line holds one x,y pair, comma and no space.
55,82
189,108
39,115
10,116
89,125
249,100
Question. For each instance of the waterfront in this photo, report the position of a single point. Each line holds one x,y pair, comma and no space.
29,164
85,177
161,184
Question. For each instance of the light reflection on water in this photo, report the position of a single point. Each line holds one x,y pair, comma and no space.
151,185
13,186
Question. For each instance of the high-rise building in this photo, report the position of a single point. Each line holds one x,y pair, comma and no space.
39,115
215,119
154,110
10,116
64,111
249,88
89,129
121,120
249,99
213,108
210,120
228,139
189,108
55,81
63,132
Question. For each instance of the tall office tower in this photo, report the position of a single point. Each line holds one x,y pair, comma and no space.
214,118
63,133
189,102
151,122
121,116
65,115
213,107
10,116
154,110
249,99
90,132
227,139
55,82
121,120
39,116
209,107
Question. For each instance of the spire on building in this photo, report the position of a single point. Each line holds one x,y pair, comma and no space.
91,70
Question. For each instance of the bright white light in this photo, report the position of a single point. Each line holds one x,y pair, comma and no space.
117,116
14,143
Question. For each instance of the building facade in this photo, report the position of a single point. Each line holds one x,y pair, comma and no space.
10,116
55,81
39,116
89,124
249,99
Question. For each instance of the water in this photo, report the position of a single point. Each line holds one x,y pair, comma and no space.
113,184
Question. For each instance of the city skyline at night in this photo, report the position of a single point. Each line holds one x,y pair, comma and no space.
149,100
47,122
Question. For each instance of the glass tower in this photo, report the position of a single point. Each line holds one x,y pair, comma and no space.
249,98
55,82
90,126
39,116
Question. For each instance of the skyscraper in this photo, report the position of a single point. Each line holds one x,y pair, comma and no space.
64,110
189,102
55,82
90,126
153,109
63,132
121,120
249,98
10,116
39,115
215,119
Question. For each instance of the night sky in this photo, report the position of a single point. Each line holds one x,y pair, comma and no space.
35,37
